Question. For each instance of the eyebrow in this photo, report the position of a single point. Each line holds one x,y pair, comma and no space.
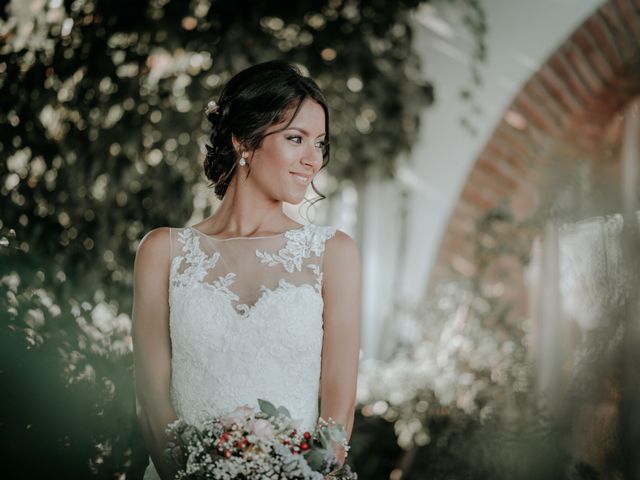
302,130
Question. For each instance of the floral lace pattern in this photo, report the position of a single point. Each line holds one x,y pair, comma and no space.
224,354
197,260
300,245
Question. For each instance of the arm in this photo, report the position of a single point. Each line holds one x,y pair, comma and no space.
341,344
152,345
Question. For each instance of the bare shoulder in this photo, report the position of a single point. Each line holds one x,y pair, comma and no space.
342,279
342,242
341,252
152,255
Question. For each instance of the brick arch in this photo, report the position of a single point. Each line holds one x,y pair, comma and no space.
571,106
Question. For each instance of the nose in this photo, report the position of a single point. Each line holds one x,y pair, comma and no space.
312,157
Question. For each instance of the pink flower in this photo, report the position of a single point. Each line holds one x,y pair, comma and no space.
261,429
238,416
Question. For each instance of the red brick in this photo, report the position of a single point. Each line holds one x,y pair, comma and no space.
567,106
629,17
540,94
511,158
466,209
487,184
477,197
558,89
496,175
594,54
564,70
534,112
623,39
513,140
518,150
462,225
582,66
603,37
458,240
499,166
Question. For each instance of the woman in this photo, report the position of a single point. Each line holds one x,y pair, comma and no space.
249,304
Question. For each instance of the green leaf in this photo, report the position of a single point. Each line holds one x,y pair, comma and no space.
315,459
268,407
284,412
337,432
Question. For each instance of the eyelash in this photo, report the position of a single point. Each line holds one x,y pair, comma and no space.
322,144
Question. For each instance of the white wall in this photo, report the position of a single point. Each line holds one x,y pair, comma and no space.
522,34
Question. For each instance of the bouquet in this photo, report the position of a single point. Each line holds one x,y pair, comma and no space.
250,445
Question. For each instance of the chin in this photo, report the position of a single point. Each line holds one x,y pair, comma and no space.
293,199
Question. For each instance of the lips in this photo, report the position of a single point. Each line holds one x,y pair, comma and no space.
303,178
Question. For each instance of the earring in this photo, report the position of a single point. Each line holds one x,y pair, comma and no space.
243,160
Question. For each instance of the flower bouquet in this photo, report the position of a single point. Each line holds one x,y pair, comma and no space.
250,445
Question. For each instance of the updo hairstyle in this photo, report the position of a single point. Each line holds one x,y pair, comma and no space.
252,101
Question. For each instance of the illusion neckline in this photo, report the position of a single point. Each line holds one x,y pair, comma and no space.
248,238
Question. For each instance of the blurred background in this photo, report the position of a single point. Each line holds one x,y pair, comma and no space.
485,157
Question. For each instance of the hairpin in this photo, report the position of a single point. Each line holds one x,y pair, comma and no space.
212,107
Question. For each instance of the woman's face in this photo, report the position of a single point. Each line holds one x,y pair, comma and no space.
286,162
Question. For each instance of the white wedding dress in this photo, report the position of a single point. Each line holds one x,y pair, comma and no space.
246,322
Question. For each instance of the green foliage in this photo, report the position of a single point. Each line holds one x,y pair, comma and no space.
106,118
67,387
101,104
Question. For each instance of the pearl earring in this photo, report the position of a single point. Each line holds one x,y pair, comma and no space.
242,161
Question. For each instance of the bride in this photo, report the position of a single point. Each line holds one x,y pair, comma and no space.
249,304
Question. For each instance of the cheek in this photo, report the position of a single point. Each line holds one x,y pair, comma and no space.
280,154
275,162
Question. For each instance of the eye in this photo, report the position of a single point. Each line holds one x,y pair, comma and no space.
295,138
322,145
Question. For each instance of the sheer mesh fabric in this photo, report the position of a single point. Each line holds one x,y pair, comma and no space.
246,268
246,322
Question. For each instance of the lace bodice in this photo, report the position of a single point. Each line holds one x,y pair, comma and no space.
246,322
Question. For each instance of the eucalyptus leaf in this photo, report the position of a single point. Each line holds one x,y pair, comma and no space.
337,432
283,411
325,438
315,459
268,407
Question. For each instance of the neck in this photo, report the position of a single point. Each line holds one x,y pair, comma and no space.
245,211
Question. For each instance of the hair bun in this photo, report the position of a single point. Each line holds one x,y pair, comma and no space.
252,100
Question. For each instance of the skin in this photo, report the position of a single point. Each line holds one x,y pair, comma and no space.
252,206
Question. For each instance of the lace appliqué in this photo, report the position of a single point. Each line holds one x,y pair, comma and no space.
300,245
283,286
222,285
316,270
198,262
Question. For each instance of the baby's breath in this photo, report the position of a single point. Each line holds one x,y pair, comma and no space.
262,445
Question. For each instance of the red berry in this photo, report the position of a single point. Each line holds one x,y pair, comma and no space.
304,446
307,435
